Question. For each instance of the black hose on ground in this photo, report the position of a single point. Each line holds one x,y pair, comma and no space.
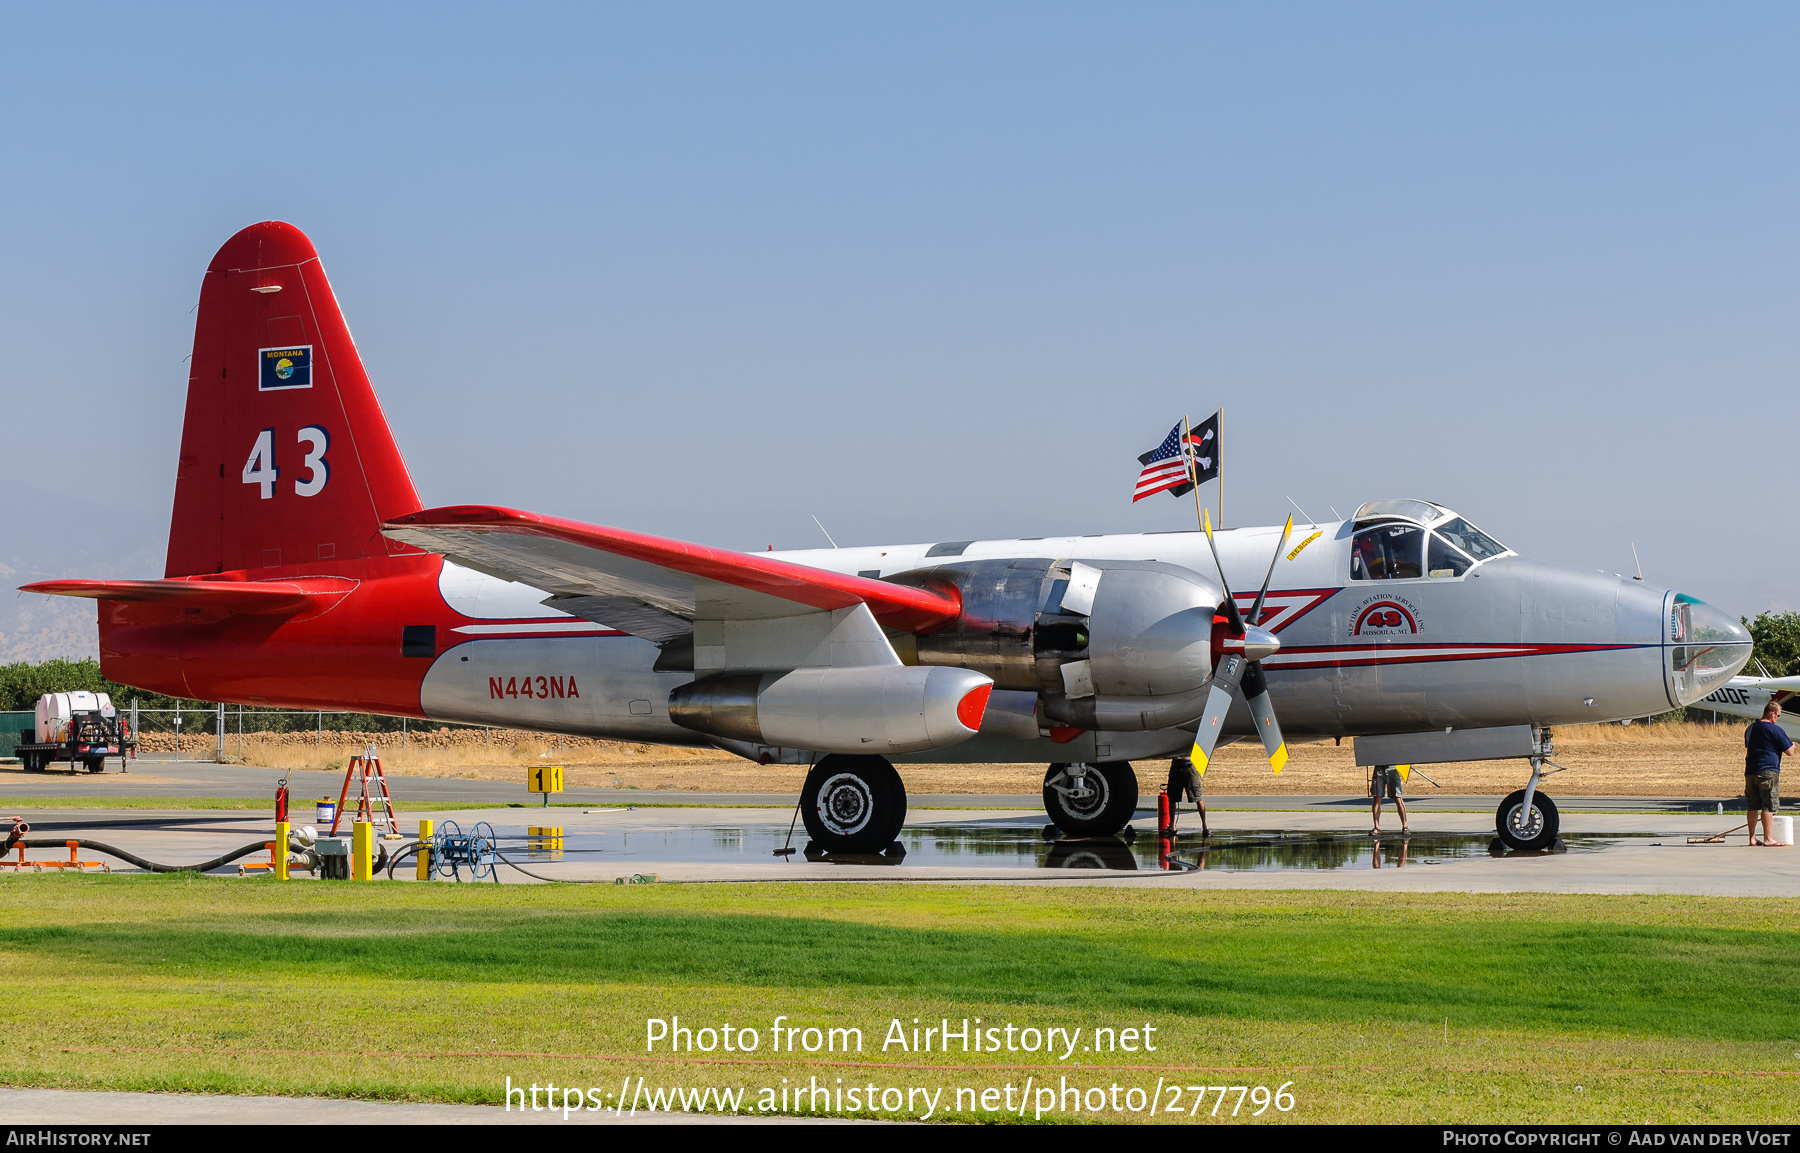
133,858
552,880
401,854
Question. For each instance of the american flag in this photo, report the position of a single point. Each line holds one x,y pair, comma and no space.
1166,469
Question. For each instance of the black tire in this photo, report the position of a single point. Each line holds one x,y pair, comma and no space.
1102,807
34,762
96,764
853,804
1532,832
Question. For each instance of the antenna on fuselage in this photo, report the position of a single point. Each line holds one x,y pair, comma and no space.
1335,515
1309,520
816,521
1637,562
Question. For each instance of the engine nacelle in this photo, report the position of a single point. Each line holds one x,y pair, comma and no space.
1108,645
877,710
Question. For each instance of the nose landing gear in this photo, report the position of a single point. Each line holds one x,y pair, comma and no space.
1528,825
1527,819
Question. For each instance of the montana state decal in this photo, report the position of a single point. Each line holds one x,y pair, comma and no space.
284,367
1385,615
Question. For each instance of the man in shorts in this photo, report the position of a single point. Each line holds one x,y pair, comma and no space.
1384,781
1765,743
1184,784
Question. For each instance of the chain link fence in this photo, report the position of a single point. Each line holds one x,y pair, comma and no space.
217,732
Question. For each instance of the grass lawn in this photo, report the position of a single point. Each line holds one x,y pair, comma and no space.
1376,1007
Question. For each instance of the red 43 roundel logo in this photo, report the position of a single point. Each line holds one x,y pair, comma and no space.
1384,615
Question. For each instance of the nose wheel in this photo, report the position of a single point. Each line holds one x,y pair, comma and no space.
1091,800
1530,826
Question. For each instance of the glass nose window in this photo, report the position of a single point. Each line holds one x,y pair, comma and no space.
1443,561
1387,552
1707,648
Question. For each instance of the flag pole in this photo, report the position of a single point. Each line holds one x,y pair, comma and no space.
1187,456
1219,449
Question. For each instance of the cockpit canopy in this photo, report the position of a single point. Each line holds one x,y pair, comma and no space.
1414,539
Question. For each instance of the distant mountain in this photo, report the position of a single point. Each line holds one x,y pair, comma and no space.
43,535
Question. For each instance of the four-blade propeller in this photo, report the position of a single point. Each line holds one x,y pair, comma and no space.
1239,668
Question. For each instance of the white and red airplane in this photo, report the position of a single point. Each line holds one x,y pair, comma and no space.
304,571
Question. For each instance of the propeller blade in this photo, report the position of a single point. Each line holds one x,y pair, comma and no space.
1262,711
1256,609
1233,617
1218,703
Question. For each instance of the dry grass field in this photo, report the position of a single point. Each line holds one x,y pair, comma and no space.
1688,760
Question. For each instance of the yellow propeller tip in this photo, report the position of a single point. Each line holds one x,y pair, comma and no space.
1278,759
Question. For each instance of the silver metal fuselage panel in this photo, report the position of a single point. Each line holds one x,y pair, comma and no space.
1513,641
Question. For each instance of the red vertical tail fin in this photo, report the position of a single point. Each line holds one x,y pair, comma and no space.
287,462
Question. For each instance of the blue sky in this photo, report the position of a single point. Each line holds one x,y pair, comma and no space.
942,271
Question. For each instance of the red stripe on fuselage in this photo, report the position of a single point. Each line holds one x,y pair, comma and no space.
1364,656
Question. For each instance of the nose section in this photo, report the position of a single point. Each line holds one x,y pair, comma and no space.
1703,648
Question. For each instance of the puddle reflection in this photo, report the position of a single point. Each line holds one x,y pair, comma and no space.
1032,845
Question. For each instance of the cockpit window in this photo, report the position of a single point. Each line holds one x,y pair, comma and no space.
1470,539
1387,552
1441,560
1422,511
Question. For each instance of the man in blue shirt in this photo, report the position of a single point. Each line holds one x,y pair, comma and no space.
1765,743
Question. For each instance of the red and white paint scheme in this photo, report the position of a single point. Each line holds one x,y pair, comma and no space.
304,570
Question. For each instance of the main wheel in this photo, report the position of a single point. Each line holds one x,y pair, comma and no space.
853,804
1096,803
1534,830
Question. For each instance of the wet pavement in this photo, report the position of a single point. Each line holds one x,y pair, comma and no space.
1605,852
162,776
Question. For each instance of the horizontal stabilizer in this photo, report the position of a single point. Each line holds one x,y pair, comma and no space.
250,598
688,581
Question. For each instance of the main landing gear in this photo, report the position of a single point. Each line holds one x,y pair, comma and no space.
1091,800
1527,819
853,804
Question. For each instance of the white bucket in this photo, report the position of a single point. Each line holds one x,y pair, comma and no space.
1783,828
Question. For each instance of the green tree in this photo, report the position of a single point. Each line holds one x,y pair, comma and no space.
1777,637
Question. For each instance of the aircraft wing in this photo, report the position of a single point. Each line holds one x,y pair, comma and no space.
651,586
1767,684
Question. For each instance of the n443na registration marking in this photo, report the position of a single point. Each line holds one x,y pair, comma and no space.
532,687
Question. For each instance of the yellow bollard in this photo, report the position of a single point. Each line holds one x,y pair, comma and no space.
424,853
362,852
281,850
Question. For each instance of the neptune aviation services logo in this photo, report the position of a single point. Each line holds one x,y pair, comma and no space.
1385,615
289,367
